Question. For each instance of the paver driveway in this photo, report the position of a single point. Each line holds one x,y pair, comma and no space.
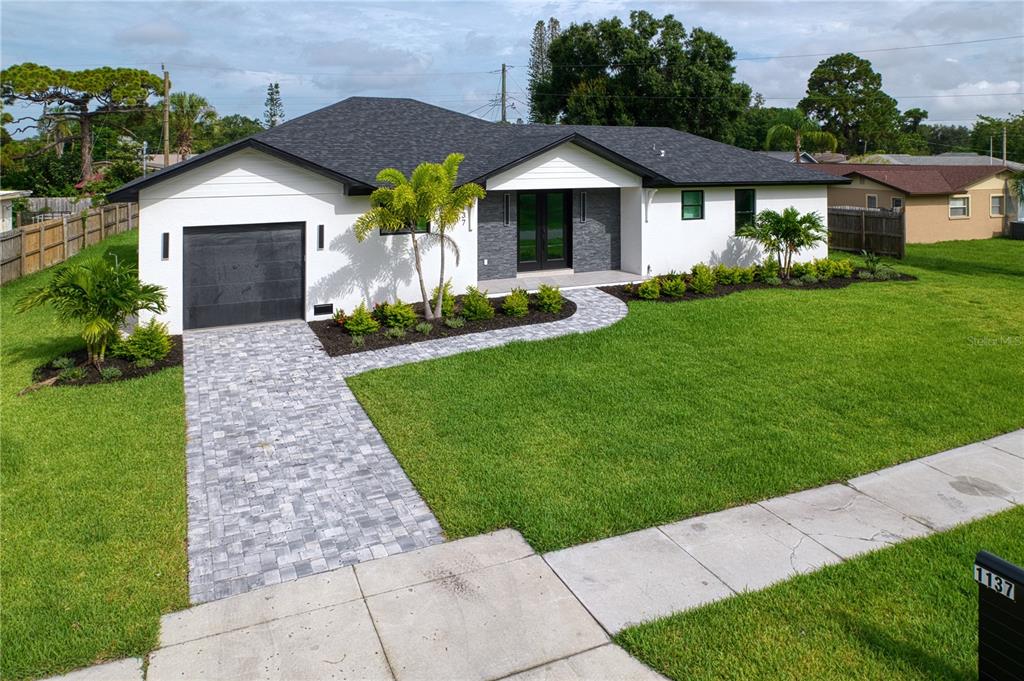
287,476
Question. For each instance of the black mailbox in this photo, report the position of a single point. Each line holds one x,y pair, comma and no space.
1000,618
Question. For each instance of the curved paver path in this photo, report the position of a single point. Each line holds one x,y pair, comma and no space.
287,475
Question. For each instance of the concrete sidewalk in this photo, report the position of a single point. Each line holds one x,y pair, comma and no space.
488,607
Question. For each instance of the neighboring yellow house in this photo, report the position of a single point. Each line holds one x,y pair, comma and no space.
941,203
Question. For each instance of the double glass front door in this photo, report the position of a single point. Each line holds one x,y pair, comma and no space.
543,222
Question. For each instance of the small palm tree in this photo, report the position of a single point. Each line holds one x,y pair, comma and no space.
785,234
97,295
427,197
189,111
794,129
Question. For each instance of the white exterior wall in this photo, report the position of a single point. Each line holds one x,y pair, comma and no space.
671,243
564,167
251,187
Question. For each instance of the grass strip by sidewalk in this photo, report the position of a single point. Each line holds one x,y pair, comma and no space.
906,612
93,501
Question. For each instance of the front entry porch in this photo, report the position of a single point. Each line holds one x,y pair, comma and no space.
565,279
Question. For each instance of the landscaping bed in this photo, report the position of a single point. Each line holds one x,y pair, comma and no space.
127,368
336,340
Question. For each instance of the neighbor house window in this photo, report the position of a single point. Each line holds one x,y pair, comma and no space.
583,206
872,201
422,227
693,204
996,206
746,207
959,206
897,203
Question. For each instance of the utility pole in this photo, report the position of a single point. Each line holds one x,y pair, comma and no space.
504,118
991,153
167,117
1004,144
145,156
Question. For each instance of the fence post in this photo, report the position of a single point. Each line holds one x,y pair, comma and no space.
129,207
863,232
903,233
64,228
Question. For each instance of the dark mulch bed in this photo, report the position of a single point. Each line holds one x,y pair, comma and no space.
337,341
622,293
128,368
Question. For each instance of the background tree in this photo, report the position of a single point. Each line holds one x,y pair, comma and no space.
89,96
845,95
231,128
273,112
988,128
189,112
942,138
649,72
793,130
540,64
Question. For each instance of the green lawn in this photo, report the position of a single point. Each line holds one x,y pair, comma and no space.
93,502
907,612
686,408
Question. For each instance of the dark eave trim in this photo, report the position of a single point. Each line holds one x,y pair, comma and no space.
754,183
130,191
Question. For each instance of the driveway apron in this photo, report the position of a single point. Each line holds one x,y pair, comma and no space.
287,476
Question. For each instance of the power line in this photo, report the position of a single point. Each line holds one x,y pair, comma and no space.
717,96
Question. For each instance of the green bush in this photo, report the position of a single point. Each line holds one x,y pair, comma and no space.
809,279
147,341
476,305
110,373
865,275
517,303
773,281
702,279
842,268
549,299
63,363
144,363
673,285
361,322
72,374
455,322
744,275
799,269
726,275
395,332
396,315
425,327
358,341
649,289
885,273
447,302
796,282
769,269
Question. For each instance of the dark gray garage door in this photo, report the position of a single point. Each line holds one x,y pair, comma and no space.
240,274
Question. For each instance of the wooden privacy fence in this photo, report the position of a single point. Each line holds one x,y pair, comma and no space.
875,230
40,208
32,247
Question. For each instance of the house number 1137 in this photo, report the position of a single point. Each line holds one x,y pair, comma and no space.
1000,585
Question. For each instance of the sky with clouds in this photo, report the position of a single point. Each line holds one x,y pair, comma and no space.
449,53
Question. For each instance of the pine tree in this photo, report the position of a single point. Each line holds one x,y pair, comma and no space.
540,64
273,113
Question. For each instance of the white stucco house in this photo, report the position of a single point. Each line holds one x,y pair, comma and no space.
7,198
261,229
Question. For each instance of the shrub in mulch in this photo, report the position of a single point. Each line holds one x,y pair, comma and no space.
631,292
336,340
77,370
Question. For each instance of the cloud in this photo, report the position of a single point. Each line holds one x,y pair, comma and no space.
160,32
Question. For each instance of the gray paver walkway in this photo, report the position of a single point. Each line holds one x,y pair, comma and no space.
287,476
644,575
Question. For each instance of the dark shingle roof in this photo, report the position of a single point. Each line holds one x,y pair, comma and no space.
916,179
355,138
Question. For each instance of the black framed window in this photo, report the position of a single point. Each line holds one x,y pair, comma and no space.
422,227
319,237
583,206
746,207
693,204
871,201
165,246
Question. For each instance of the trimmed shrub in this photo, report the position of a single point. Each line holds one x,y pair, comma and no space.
110,373
63,363
649,289
809,279
361,322
476,305
769,269
396,315
339,317
842,268
885,273
71,374
744,275
726,275
144,363
425,327
395,332
549,299
796,282
147,341
517,303
447,302
702,279
865,275
673,285
455,322
358,341
773,281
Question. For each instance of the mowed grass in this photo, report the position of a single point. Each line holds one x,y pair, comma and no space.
907,612
682,409
93,501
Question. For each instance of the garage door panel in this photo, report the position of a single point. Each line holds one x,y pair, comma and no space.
241,274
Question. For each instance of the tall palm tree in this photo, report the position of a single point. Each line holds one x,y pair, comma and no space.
188,111
793,129
56,127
